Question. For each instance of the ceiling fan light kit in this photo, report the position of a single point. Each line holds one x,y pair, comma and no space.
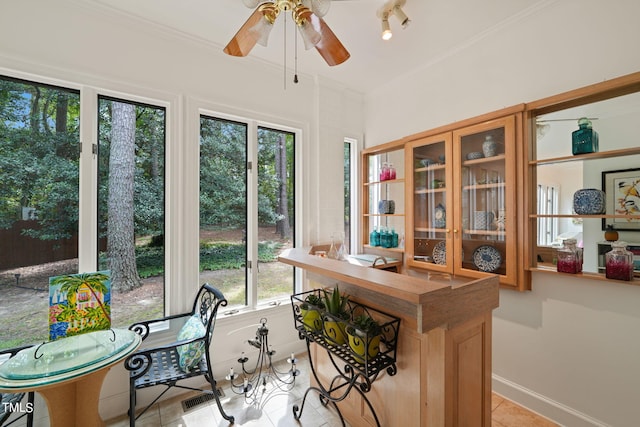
307,17
392,7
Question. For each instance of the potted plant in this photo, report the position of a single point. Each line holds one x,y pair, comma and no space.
310,310
364,333
336,316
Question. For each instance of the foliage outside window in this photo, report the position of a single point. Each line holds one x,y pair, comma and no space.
39,164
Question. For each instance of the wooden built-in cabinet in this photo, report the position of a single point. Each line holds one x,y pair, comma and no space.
459,209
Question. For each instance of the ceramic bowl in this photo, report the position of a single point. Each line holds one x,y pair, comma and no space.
474,155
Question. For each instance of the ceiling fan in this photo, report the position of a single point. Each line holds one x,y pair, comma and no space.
307,15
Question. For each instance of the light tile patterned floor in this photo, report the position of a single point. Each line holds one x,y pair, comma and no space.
277,411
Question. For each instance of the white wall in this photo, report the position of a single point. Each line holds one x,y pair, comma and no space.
69,43
568,349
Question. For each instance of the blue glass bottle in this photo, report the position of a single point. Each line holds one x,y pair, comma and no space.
374,237
585,139
394,238
385,238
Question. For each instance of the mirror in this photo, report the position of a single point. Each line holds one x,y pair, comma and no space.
617,122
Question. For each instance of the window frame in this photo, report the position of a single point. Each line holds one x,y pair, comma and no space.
253,120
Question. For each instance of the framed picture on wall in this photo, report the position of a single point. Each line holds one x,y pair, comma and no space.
622,189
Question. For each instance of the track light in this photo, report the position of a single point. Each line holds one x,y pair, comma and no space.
386,28
392,7
402,17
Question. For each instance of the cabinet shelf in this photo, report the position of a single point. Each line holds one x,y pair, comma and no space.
430,230
430,190
387,181
488,186
584,216
438,166
589,156
399,250
551,269
492,159
485,232
383,215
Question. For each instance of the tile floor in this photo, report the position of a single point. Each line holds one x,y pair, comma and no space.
277,411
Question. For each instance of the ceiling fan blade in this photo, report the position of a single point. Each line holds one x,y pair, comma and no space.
245,39
329,47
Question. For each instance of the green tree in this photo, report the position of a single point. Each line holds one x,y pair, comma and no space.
120,230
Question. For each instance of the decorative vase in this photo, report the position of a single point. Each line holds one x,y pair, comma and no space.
610,235
619,262
489,146
589,201
585,139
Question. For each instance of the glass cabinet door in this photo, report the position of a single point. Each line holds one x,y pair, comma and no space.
431,203
485,222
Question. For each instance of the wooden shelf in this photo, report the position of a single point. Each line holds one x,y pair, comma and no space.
399,250
430,190
497,158
488,186
388,181
437,166
589,156
551,269
584,216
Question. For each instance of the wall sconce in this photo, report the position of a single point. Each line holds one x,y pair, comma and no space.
392,7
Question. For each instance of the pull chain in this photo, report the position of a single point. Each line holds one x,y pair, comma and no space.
295,68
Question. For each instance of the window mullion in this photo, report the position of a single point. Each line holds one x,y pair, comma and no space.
252,215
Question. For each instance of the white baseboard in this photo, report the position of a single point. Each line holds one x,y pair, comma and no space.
542,405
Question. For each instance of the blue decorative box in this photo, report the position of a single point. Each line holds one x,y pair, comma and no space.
589,201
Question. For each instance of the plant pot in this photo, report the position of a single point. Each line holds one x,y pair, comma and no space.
311,319
334,331
358,343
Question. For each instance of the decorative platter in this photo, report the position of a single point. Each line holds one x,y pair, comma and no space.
439,253
487,258
439,217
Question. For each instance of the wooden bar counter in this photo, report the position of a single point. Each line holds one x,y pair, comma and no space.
444,344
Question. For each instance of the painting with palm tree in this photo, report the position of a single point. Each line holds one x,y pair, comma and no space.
79,303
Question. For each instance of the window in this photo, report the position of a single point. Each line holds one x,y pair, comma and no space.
131,204
350,154
39,171
47,224
247,209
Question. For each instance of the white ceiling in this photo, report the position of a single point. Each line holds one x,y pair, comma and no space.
438,29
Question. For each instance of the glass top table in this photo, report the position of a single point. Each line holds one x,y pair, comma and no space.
64,359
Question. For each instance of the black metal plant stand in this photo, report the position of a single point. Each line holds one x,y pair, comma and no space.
355,371
253,382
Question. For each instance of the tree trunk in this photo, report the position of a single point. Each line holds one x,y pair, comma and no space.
283,225
120,234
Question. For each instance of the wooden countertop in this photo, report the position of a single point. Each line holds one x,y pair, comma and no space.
424,301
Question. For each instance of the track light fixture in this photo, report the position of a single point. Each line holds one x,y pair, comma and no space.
386,28
392,7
